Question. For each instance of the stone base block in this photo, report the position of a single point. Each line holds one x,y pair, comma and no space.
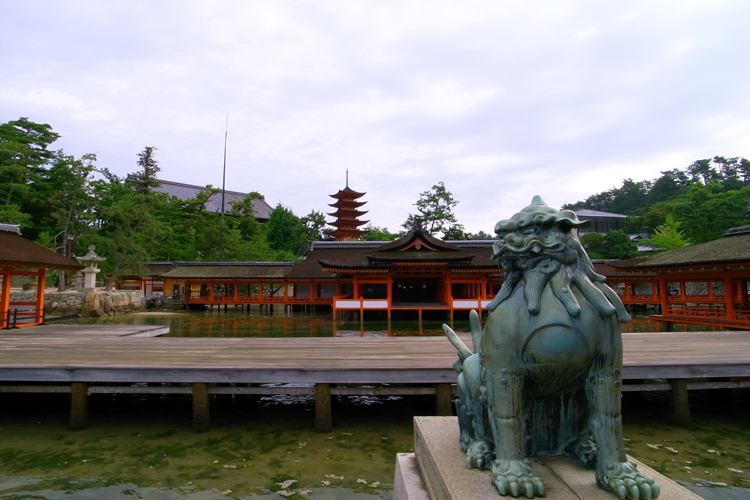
437,471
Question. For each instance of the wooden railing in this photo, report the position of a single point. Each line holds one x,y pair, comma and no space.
255,299
708,311
17,319
705,314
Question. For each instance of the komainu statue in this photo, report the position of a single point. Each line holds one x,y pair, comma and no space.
546,373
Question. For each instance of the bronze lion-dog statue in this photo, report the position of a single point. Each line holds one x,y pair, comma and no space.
545,375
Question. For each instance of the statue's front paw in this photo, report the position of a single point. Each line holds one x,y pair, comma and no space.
516,478
480,455
624,480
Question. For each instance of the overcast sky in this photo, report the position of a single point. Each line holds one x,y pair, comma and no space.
499,100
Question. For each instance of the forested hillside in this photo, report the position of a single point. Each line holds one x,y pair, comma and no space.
701,201
68,203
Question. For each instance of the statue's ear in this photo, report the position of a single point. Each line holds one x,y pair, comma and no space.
568,220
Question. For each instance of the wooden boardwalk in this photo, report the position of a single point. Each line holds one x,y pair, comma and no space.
87,360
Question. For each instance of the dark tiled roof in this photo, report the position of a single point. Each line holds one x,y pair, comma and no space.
726,250
347,192
185,270
606,269
380,254
261,209
18,251
158,268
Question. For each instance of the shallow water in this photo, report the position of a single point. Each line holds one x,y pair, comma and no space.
238,323
259,448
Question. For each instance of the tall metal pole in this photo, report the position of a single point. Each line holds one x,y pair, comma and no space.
224,175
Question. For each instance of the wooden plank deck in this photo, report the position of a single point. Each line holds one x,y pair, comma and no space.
68,356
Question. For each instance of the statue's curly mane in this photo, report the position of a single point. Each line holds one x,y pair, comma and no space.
540,245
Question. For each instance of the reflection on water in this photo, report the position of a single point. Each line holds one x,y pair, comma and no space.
238,323
263,448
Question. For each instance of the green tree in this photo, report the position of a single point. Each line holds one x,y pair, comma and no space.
12,214
375,233
592,242
129,230
703,171
144,181
286,233
613,245
481,235
667,236
708,211
435,213
243,215
23,152
314,222
60,201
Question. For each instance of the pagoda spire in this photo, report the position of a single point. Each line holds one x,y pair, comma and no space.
347,213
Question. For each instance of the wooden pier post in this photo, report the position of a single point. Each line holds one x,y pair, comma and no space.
79,406
678,399
443,403
201,408
323,414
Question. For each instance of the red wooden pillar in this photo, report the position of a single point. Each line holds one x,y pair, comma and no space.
389,294
5,297
41,277
729,296
664,291
743,293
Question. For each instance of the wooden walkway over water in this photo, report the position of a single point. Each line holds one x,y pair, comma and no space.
86,360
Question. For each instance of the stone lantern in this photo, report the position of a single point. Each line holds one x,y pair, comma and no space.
91,260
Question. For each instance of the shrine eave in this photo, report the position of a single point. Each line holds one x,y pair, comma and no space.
350,214
441,257
347,204
347,192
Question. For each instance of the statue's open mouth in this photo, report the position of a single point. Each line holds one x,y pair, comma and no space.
533,247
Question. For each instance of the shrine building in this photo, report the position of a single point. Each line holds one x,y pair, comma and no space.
703,284
408,277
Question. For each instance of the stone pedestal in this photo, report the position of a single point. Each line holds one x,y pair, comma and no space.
437,471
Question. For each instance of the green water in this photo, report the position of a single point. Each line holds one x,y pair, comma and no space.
259,448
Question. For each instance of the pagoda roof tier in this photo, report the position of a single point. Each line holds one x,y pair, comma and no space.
348,214
347,193
347,204
344,223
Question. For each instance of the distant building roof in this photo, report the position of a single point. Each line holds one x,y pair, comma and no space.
18,251
185,270
261,209
585,212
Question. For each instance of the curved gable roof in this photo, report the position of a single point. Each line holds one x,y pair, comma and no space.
16,250
733,248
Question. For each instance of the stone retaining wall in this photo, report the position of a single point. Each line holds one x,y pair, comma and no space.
92,304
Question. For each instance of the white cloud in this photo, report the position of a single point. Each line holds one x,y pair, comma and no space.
499,100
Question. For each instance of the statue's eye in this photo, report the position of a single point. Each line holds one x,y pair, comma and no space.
530,230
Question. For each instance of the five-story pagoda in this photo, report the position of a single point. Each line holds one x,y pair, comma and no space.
347,214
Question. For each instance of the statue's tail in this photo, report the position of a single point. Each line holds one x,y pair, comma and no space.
463,351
